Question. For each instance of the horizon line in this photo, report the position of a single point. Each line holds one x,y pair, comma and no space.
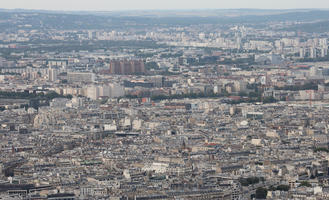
158,9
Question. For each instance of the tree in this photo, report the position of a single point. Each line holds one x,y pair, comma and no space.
321,149
151,65
283,187
261,193
242,94
269,100
250,180
254,94
305,184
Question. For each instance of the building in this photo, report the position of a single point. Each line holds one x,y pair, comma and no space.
126,67
57,63
52,75
158,81
301,52
61,196
111,91
313,53
85,77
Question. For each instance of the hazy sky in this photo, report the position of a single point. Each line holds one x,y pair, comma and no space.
108,5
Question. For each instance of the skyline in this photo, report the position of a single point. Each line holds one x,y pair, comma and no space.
103,5
163,100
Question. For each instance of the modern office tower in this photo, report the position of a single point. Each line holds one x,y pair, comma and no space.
323,42
301,52
324,52
312,52
91,35
52,74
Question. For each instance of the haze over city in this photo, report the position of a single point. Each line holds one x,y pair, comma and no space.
111,5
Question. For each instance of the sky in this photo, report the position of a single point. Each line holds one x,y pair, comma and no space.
115,5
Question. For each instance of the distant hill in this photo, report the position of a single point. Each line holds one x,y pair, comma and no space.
316,27
302,16
65,20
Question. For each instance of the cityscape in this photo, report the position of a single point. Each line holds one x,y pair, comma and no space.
226,104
